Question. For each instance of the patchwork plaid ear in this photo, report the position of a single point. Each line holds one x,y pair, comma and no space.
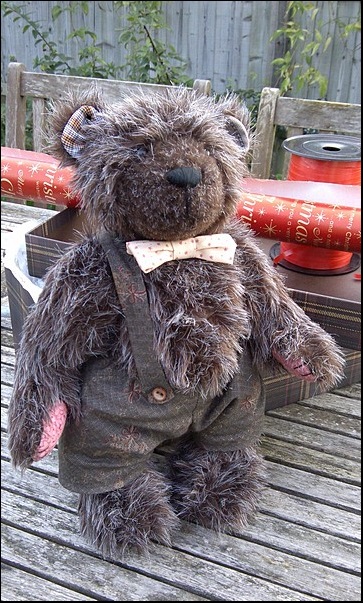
73,138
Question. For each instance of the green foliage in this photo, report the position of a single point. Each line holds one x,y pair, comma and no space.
52,60
296,69
149,59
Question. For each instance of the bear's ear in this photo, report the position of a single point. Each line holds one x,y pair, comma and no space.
239,132
71,124
75,132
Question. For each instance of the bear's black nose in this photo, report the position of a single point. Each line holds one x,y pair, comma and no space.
184,177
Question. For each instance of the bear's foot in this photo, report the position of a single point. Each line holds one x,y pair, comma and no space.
129,518
218,490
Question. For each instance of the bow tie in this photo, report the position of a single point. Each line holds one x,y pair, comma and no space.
213,248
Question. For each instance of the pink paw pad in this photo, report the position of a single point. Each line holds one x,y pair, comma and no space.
52,429
295,367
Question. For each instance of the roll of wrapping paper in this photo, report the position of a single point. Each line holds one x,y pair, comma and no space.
317,214
284,210
322,158
35,177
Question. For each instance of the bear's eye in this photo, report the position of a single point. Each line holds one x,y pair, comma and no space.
141,151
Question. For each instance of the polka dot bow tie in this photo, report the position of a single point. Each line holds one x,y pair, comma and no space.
213,248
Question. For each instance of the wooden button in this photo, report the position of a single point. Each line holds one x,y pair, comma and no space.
159,394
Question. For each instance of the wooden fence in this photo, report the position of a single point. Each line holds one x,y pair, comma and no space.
226,42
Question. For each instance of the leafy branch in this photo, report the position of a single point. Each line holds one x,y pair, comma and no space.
52,60
296,69
149,60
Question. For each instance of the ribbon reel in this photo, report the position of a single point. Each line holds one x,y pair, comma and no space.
320,158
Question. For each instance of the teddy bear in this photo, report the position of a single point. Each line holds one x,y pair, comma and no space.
152,331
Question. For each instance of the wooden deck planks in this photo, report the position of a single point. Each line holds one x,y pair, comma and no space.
193,545
19,585
303,545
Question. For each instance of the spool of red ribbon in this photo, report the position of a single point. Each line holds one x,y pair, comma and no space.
321,158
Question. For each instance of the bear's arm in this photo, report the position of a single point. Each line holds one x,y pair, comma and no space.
283,335
77,316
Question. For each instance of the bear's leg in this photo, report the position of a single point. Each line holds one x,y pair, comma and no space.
218,490
129,518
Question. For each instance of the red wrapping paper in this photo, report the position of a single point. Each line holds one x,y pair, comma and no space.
332,222
311,213
36,177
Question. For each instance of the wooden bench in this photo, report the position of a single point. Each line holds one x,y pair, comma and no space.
42,87
297,116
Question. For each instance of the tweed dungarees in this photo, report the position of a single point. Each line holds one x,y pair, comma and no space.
120,427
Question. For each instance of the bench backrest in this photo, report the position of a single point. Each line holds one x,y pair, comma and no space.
41,87
297,115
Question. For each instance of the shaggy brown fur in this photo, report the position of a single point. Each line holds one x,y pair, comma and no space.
204,314
129,518
218,490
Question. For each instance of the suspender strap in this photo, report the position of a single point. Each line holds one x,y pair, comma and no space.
132,294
